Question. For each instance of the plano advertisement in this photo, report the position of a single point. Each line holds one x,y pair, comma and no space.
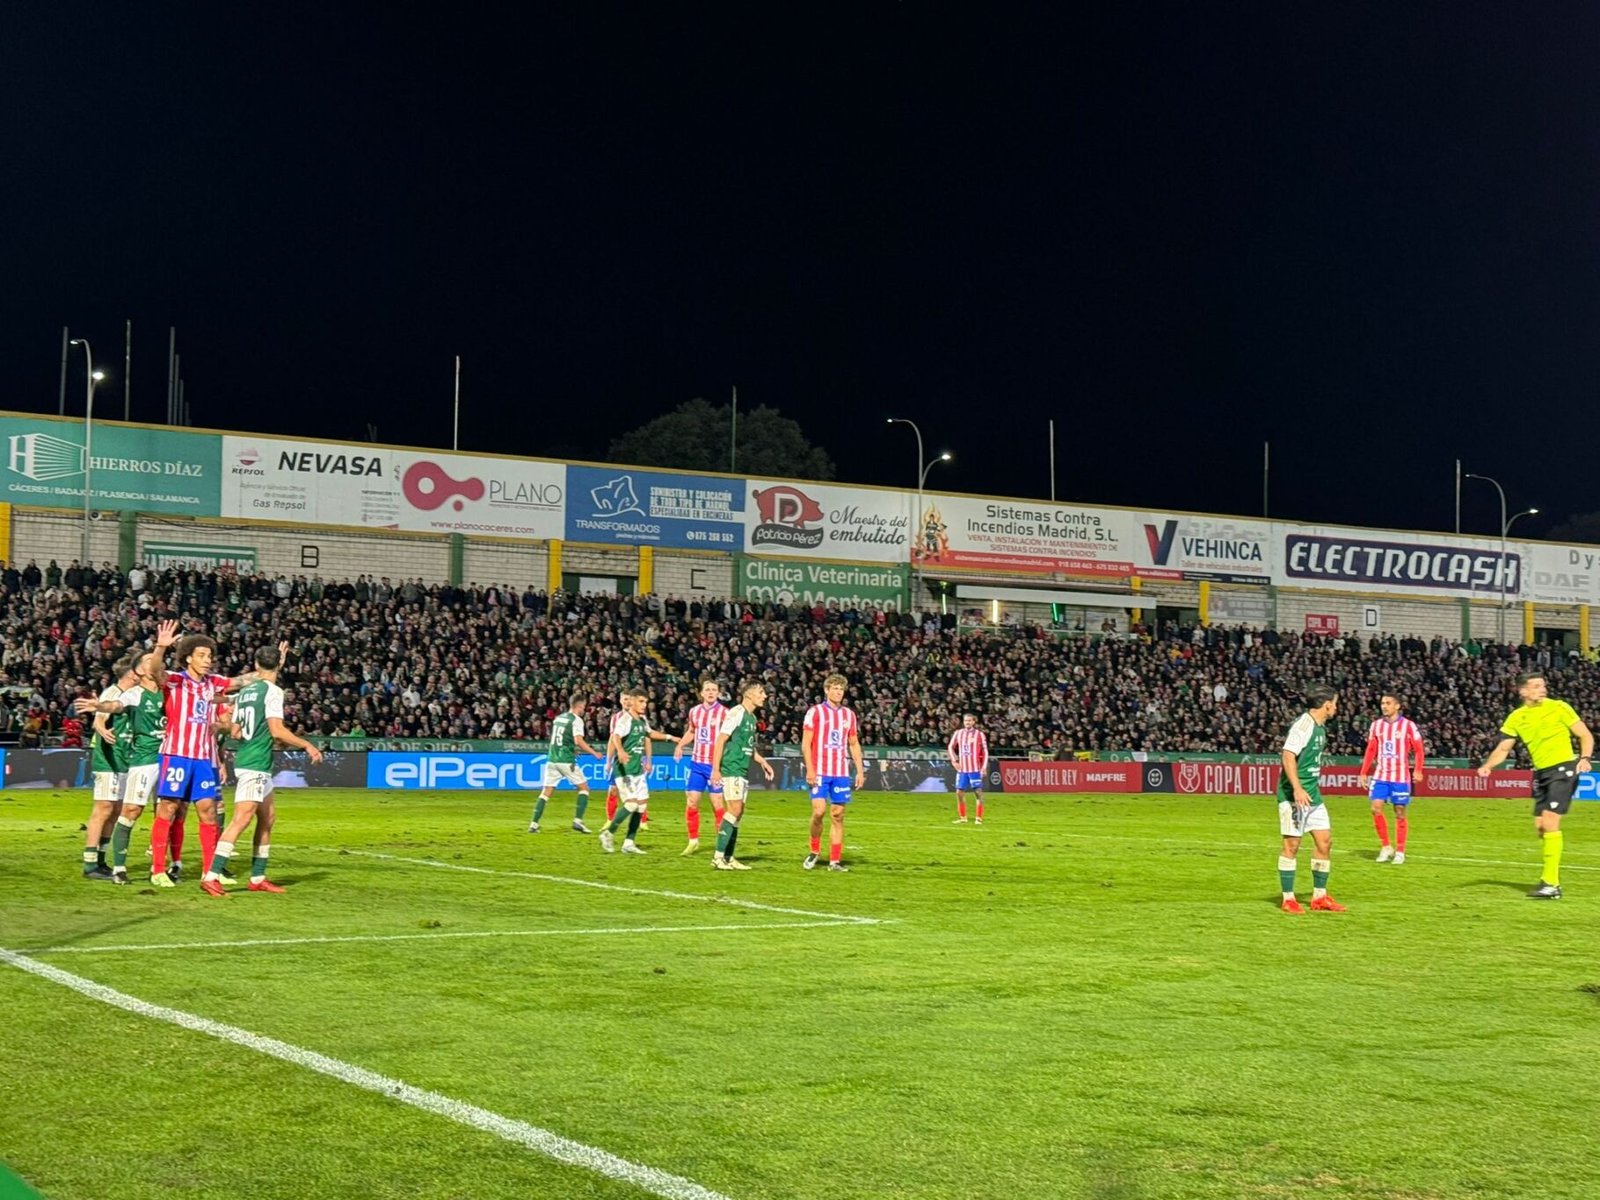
374,487
653,508
812,520
131,467
1372,560
1026,536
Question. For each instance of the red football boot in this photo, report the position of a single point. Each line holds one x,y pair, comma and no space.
265,885
1291,905
212,887
1326,904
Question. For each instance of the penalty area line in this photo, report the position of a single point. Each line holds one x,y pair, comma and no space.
530,1137
843,918
335,939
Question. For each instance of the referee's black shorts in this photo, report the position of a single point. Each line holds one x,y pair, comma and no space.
1553,788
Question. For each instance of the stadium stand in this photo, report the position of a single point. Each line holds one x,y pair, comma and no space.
406,658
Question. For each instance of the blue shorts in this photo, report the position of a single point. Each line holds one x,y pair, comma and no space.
1394,793
700,779
186,779
969,781
835,789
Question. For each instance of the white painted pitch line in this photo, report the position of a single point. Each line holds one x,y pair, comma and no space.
843,918
424,937
531,1137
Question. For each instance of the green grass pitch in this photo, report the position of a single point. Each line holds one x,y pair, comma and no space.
1087,997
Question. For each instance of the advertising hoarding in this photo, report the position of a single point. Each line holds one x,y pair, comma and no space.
133,468
812,583
812,520
653,508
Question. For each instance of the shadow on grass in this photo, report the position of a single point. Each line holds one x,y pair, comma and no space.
1496,883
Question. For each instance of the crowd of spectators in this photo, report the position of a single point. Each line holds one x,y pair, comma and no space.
408,659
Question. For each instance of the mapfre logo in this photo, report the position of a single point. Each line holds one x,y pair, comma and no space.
1189,777
789,518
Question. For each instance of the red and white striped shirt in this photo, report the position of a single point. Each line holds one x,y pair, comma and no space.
832,726
1390,743
705,720
190,710
971,750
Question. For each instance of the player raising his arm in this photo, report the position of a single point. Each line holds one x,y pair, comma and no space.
1547,728
1392,742
732,753
566,739
829,740
705,719
1300,807
969,755
188,774
108,762
257,723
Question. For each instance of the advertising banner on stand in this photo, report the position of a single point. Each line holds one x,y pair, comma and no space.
1565,574
1186,546
811,520
133,468
809,584
1261,779
373,487
1367,560
1025,536
1021,776
691,512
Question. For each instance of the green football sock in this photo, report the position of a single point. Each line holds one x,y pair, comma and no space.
1320,867
119,844
633,824
1286,869
538,808
1552,857
258,864
616,822
725,833
88,858
583,805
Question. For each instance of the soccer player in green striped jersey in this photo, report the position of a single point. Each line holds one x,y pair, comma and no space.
630,746
144,707
731,756
1300,807
257,724
108,763
566,739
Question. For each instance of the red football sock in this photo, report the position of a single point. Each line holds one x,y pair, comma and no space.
835,849
179,824
692,818
980,808
611,806
961,808
209,835
717,813
160,835
1382,826
1400,832
816,845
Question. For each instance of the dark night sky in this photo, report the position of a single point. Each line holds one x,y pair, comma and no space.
1366,232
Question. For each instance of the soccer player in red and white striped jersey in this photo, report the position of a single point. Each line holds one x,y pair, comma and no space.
830,740
188,748
1387,769
705,722
969,755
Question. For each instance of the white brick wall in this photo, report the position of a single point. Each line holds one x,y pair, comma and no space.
706,575
615,562
47,535
509,564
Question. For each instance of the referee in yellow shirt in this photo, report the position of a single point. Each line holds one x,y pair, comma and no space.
1546,727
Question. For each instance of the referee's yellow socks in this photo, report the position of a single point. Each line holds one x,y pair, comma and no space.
1552,858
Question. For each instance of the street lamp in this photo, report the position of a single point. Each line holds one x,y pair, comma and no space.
1505,530
922,478
92,377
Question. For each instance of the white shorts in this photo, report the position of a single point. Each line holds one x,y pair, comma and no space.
141,784
108,785
735,789
1314,818
252,787
633,789
555,772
